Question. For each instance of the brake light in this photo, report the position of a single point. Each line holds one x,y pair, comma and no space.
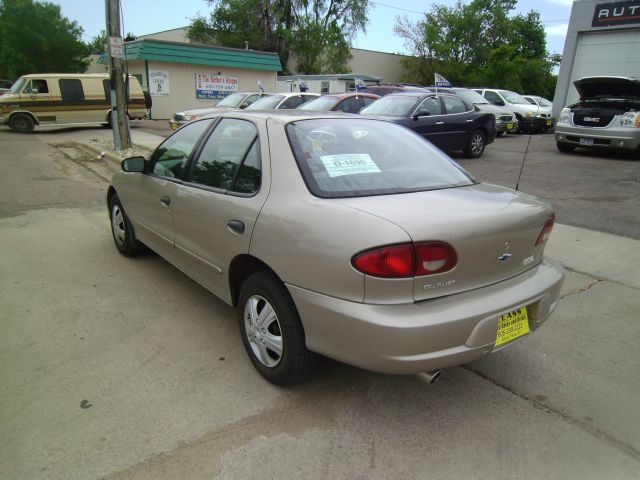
407,260
546,230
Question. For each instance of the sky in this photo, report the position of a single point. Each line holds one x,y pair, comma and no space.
143,17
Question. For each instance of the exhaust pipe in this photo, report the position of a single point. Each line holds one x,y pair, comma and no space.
431,377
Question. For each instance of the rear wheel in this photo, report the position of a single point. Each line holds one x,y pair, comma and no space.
565,147
122,230
476,144
272,332
22,123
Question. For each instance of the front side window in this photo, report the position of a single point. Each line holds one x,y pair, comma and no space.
230,158
430,106
293,102
493,98
350,105
37,86
170,158
349,157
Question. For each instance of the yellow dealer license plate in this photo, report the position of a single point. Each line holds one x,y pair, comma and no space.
512,325
174,126
549,123
509,126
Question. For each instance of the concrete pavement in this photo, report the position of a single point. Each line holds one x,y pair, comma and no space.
123,368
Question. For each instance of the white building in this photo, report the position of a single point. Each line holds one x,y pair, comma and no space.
603,39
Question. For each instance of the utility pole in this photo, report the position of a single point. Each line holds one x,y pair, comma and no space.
119,118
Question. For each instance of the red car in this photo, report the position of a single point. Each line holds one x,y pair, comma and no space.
340,102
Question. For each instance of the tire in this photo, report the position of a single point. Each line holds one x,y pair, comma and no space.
476,145
108,124
122,231
22,123
565,147
272,332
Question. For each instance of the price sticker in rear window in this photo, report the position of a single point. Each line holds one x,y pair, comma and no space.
349,164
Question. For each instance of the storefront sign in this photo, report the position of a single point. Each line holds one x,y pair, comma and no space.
618,13
210,86
159,83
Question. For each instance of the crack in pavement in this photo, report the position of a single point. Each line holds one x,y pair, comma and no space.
581,290
596,432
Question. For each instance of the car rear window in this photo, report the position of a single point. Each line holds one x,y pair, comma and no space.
350,157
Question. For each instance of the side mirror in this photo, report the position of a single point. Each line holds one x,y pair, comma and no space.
500,103
244,105
133,164
421,113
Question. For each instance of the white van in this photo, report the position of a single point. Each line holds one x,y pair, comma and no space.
65,99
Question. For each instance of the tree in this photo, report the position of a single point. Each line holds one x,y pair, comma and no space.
317,33
479,43
36,38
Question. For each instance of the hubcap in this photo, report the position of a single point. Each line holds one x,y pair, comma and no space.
263,331
476,144
117,224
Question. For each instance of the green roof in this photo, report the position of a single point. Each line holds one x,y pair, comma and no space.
160,51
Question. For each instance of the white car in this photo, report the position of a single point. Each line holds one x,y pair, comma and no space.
531,118
235,100
283,101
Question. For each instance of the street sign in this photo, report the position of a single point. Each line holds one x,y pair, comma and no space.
116,47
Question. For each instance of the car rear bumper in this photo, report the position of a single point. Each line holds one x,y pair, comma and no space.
427,335
614,138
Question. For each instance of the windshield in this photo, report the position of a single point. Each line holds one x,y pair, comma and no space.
354,157
232,100
267,103
17,87
392,106
323,104
513,97
470,96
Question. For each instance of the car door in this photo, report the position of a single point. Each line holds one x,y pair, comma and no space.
459,121
427,120
36,97
150,198
219,205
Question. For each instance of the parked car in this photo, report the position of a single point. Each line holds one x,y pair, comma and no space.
283,101
235,100
387,89
53,99
606,117
340,235
531,118
5,86
537,100
446,120
506,121
340,102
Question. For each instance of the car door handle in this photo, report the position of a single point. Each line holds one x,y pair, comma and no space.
469,120
439,123
166,201
236,226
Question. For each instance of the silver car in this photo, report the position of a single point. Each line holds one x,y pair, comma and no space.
607,117
235,100
340,235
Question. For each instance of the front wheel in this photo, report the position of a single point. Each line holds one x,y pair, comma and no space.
476,144
21,123
272,332
122,230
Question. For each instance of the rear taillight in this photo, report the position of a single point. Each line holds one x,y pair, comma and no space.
406,260
546,230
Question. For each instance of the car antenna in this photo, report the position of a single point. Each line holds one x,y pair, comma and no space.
526,150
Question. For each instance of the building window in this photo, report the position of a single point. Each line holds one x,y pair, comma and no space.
324,87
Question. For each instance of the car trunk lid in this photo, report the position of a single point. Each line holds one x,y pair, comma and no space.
493,231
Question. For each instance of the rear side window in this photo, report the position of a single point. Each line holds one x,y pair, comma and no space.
455,105
352,158
71,90
350,105
293,102
430,106
230,158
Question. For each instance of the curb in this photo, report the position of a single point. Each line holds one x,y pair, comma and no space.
112,156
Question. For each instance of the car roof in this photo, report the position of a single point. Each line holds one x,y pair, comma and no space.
284,116
351,94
